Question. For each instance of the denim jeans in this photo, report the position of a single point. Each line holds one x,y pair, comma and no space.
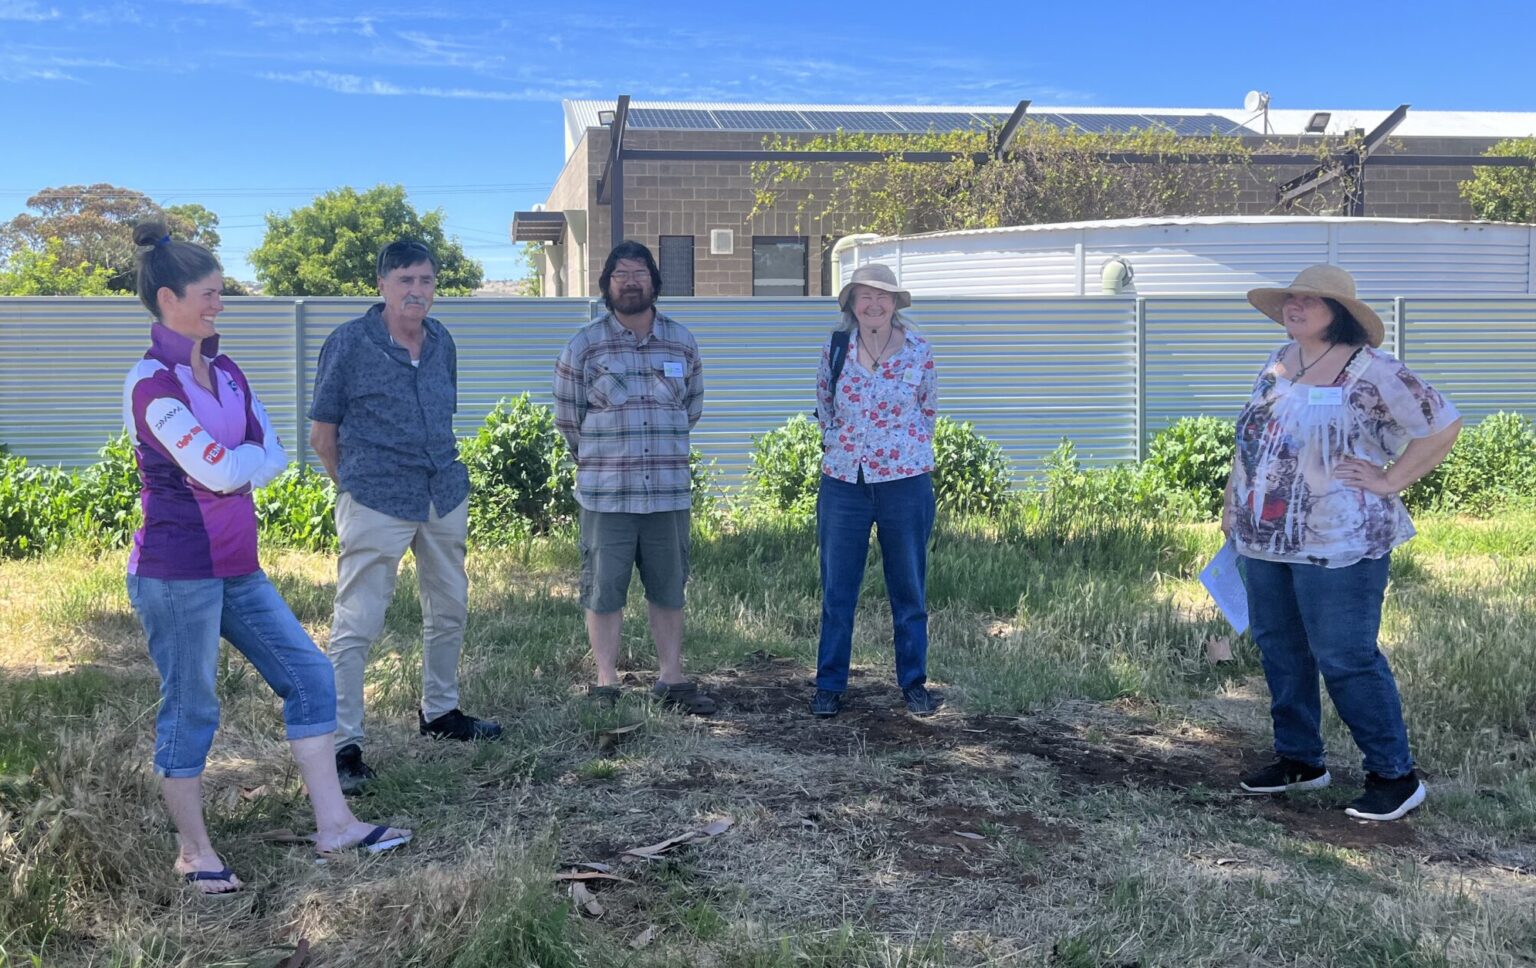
1308,619
184,620
902,511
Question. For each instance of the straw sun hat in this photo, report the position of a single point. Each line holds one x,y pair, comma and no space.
875,276
1325,281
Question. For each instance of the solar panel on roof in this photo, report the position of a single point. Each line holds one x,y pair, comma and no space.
873,121
938,121
672,118
1199,124
762,121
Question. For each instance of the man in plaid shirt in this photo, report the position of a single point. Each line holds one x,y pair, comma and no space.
628,389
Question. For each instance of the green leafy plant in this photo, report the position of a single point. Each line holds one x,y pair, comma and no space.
970,474
34,507
521,475
1504,194
106,495
1492,467
1077,494
786,467
1193,456
298,509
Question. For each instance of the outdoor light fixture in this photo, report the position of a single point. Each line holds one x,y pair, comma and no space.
605,118
1319,122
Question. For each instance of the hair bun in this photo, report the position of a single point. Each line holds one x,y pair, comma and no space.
152,232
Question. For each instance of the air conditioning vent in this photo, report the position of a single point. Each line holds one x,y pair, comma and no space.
722,241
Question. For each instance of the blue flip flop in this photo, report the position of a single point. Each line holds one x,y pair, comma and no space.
195,877
374,843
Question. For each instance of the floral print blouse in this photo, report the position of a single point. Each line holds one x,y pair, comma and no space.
1290,436
883,421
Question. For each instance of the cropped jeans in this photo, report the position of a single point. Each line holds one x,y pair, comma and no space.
184,620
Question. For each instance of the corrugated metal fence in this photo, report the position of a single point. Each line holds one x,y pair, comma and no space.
1106,372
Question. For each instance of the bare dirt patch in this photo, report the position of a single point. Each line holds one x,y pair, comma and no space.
764,704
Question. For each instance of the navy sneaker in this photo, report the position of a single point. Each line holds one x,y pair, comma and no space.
1285,775
827,703
921,702
1386,799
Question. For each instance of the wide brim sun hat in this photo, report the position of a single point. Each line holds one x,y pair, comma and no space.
1324,281
875,276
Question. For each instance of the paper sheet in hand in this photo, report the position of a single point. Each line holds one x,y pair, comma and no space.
1222,580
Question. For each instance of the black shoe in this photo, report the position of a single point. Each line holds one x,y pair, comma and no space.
1386,799
351,771
921,702
827,703
1284,775
455,725
685,697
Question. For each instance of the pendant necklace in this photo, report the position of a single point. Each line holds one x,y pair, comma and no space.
874,358
1301,371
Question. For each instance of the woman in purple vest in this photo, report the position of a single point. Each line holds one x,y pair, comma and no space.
203,441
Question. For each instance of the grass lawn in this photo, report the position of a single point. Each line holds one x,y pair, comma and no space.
1071,805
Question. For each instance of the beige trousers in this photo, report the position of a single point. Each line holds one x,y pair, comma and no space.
372,544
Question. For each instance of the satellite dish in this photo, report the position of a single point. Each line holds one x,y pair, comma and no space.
1255,102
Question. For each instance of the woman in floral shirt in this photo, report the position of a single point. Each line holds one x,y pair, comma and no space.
877,402
1335,430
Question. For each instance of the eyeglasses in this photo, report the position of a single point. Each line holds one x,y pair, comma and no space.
625,275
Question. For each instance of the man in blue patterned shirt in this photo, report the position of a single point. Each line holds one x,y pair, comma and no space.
386,389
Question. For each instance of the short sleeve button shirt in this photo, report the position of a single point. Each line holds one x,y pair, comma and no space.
397,451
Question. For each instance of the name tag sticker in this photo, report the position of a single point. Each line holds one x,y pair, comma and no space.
672,368
1325,397
912,376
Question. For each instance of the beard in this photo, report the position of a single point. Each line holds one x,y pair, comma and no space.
632,301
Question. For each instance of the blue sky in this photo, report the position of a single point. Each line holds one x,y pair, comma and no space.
251,106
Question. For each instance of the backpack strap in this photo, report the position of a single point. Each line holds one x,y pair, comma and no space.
839,357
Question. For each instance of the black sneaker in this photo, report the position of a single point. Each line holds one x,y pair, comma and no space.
827,703
1386,799
351,771
1284,775
455,725
921,702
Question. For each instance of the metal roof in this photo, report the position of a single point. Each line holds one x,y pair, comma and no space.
583,114
1193,220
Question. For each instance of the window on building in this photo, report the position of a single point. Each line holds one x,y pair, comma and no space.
778,266
676,265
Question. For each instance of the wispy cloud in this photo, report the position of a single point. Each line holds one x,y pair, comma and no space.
27,12
376,87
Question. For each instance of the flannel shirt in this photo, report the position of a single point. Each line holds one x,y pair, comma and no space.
625,407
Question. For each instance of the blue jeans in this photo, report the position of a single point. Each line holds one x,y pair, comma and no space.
184,620
1308,619
902,510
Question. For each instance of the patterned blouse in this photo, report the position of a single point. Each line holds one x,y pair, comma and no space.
882,422
1290,437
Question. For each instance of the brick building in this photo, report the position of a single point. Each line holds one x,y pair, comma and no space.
698,214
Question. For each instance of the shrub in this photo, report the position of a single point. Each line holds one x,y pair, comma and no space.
521,475
1492,466
1077,494
786,467
1193,456
35,505
106,495
298,509
970,472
